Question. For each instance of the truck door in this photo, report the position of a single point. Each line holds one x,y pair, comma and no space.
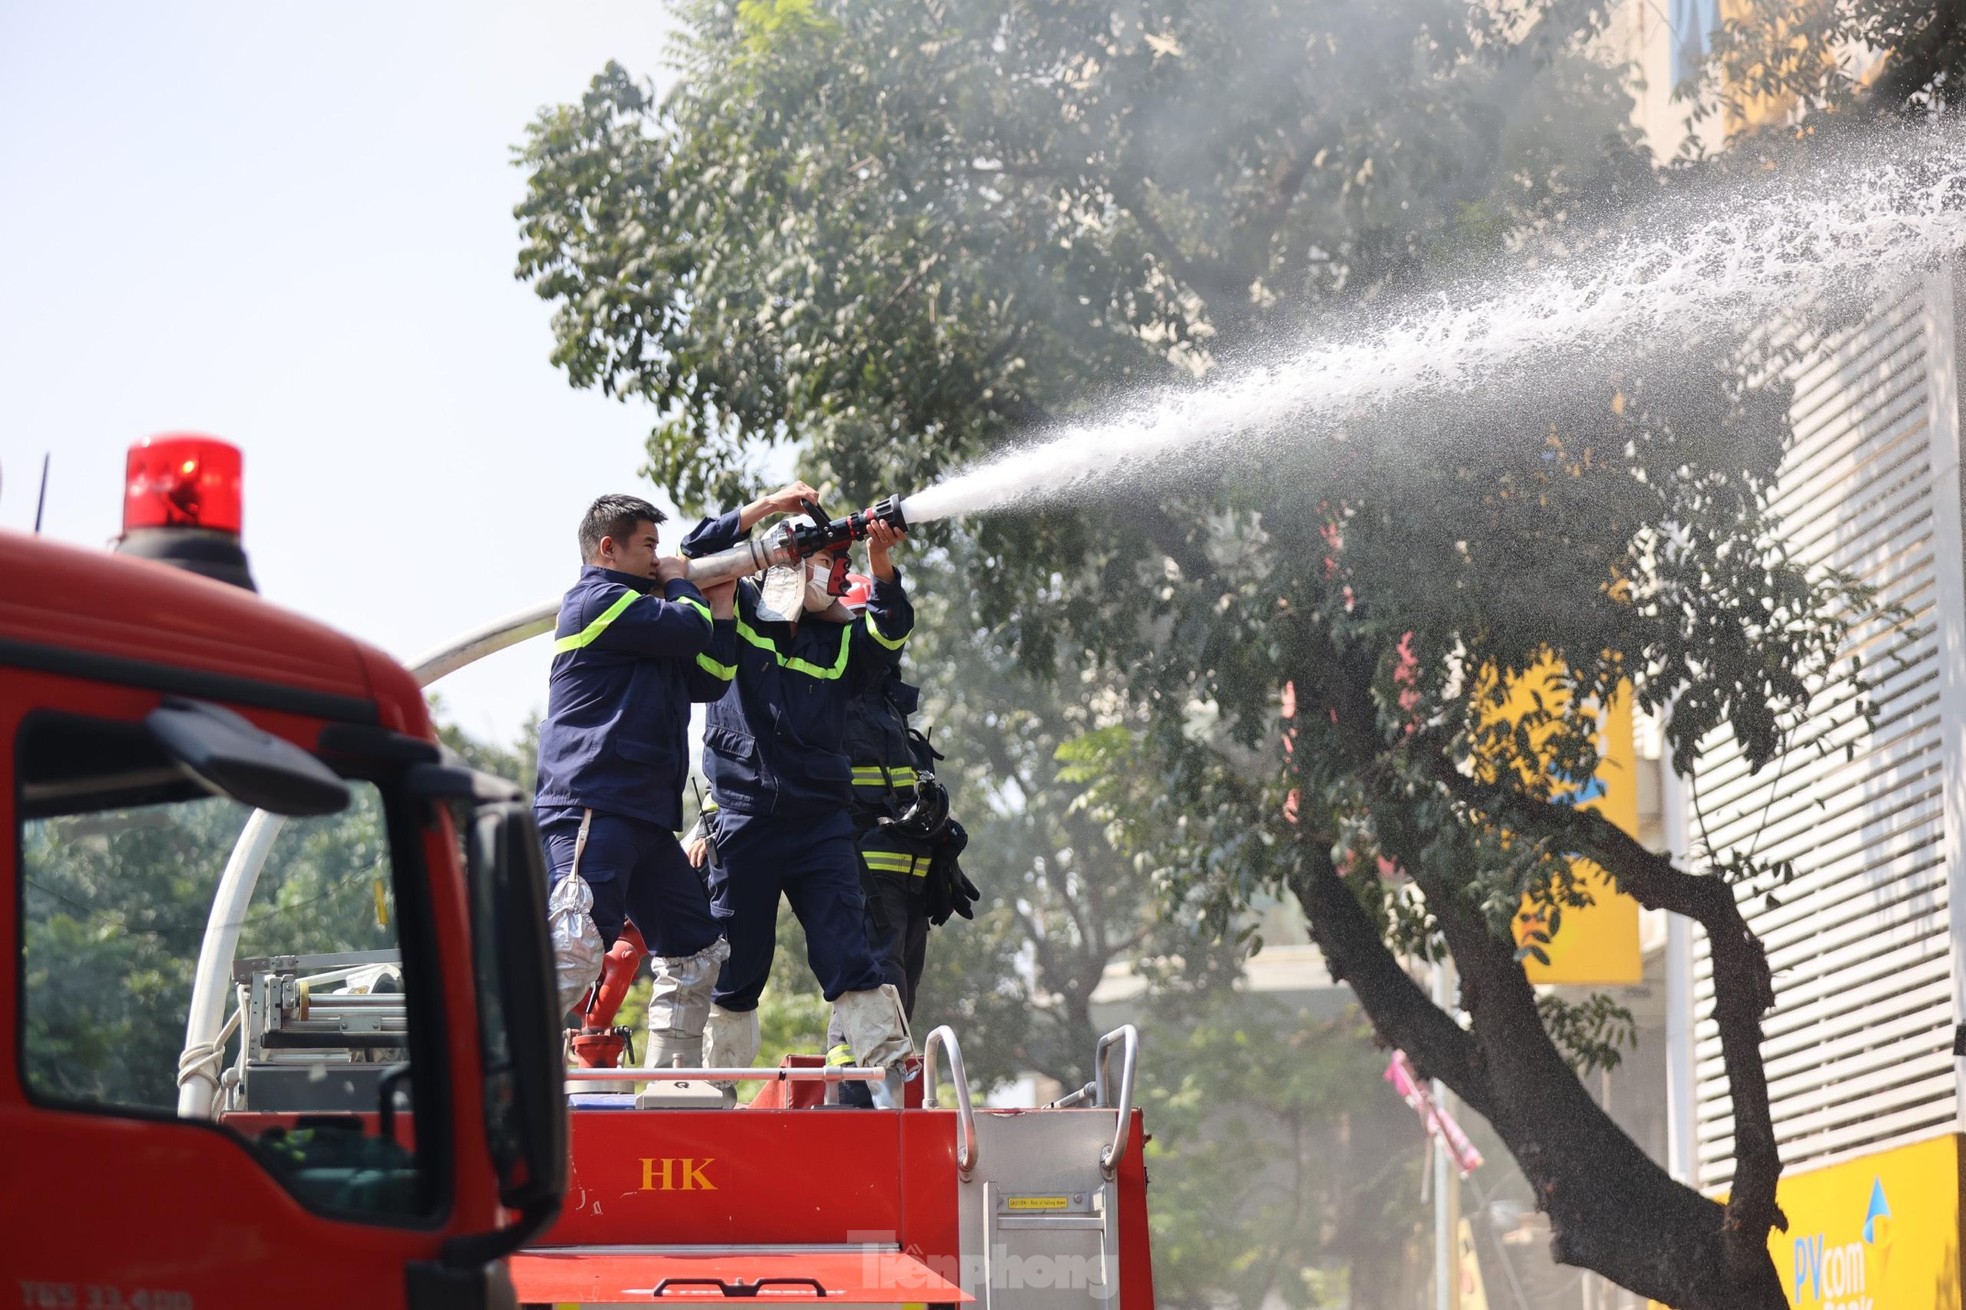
108,1199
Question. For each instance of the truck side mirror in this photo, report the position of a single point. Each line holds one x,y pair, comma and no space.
229,756
525,1096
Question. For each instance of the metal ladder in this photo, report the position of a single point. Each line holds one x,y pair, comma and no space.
1038,1196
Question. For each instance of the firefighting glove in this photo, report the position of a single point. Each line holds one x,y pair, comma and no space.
949,890
962,892
936,901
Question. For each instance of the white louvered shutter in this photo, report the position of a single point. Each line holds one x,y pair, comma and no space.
1859,1044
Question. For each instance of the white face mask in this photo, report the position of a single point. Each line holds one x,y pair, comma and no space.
817,597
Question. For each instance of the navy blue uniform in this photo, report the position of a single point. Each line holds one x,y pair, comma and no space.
626,666
774,751
893,867
885,759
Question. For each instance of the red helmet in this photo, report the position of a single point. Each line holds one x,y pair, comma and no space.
859,590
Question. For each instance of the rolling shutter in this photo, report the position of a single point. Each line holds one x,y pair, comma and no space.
1859,1044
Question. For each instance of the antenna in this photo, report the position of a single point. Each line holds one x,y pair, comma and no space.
42,503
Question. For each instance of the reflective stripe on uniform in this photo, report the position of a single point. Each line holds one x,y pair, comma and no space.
892,643
873,775
840,1057
700,608
806,667
588,634
723,672
896,862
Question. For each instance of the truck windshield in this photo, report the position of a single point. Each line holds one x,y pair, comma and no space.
119,864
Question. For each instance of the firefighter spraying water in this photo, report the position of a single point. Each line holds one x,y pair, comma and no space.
952,1215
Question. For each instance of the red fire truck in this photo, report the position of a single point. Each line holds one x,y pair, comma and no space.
366,1099
145,714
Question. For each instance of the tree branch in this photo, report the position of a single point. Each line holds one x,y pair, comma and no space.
1917,63
1743,985
1040,944
1355,953
1210,279
1743,990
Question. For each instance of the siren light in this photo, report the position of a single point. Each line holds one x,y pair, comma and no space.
183,481
182,505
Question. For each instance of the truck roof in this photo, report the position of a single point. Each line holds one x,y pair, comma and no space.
92,613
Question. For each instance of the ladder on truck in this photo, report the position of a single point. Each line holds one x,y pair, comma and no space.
1041,1191
797,1199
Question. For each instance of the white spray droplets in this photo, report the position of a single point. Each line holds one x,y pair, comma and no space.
1856,224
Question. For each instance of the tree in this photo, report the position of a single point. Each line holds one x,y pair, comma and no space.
1284,1171
903,234
1811,59
1057,889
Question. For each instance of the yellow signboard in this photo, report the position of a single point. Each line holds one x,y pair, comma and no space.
1016,1203
1597,943
1876,1233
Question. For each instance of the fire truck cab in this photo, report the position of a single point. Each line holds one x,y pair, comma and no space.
148,718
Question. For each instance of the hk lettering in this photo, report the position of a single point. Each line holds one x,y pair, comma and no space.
676,1175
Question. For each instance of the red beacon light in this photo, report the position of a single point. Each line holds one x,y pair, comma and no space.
182,506
183,481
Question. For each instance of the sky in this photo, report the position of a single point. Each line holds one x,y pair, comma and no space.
290,226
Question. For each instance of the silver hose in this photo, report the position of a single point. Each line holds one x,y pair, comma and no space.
744,559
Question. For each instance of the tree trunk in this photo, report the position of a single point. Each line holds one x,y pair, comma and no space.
1612,1210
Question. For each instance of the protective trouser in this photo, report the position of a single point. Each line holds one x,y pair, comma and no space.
812,862
894,871
730,1041
895,874
877,1035
637,871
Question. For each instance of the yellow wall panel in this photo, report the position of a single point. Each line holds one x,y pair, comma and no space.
1876,1233
1595,944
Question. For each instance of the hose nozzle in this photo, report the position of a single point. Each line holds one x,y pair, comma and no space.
835,535
789,543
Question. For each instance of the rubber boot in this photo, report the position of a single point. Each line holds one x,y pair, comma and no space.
679,1006
839,1056
877,1030
672,1048
730,1041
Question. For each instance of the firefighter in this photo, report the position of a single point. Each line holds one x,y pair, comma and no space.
636,644
907,841
780,781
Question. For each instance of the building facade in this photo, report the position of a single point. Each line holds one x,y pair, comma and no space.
1863,1048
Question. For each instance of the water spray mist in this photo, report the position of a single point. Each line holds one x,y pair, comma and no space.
1846,228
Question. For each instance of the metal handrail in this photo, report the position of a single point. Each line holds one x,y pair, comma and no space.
1129,1039
967,1150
